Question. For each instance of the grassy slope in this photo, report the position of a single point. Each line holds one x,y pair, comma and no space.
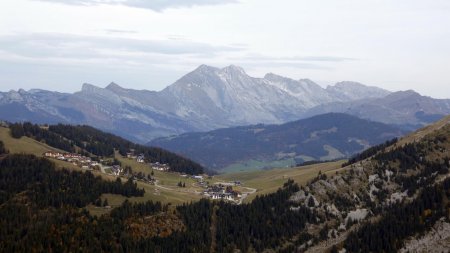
254,165
168,180
29,146
268,181
419,134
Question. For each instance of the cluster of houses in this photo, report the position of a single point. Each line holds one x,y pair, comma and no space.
116,170
160,166
76,159
141,159
222,192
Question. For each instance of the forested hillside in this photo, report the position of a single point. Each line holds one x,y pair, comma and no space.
323,137
384,199
92,141
376,204
40,212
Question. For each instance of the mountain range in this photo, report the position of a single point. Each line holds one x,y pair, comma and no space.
209,98
324,137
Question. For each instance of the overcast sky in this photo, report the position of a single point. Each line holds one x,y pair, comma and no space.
149,44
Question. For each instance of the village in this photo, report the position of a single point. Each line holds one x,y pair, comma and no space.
216,191
108,166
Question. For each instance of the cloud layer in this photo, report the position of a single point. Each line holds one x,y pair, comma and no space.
397,45
156,5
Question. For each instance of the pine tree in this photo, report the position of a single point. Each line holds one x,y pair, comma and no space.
311,202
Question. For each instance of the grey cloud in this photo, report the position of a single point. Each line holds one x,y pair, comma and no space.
325,58
301,62
156,5
117,31
300,58
77,46
298,65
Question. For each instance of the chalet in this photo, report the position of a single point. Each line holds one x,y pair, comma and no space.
116,170
131,154
225,196
52,154
160,167
140,158
94,163
222,191
198,177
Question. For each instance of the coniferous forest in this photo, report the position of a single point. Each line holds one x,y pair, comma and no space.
44,209
400,221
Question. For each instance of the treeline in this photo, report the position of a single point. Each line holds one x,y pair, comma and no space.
36,132
103,144
46,186
401,221
370,152
98,143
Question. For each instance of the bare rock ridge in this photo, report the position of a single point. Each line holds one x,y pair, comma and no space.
209,98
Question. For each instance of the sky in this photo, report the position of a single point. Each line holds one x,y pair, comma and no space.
148,44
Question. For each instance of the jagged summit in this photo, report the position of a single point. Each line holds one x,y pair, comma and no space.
204,68
348,90
404,93
274,77
113,86
208,98
87,87
233,69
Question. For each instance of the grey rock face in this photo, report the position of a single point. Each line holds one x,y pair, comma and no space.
209,98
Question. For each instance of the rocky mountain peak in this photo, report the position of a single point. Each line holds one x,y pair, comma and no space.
208,98
275,78
114,87
87,87
233,69
202,69
349,84
348,90
405,93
